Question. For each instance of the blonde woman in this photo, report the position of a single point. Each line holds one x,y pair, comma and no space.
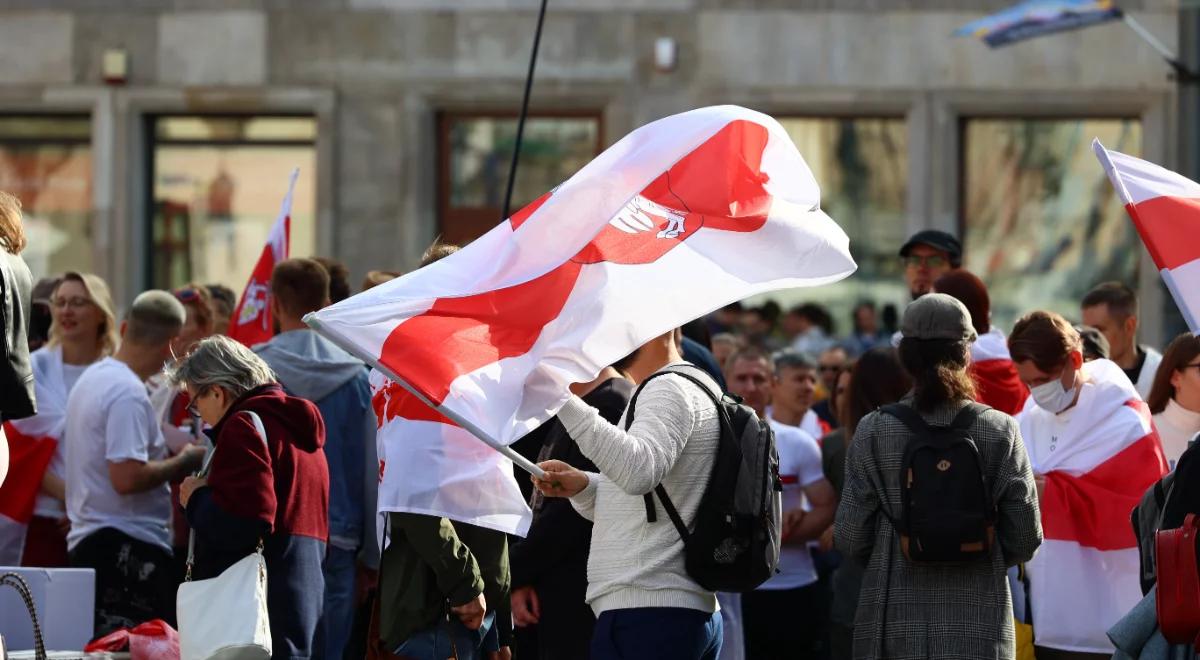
83,329
16,286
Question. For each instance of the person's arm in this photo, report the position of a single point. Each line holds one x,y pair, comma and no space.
132,476
435,541
54,486
637,460
584,502
1018,516
857,513
811,524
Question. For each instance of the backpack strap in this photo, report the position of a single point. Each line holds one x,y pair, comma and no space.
648,498
907,416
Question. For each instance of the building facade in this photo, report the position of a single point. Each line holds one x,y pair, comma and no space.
151,142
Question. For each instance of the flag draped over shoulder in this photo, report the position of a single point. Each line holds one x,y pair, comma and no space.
32,442
1097,465
1165,208
996,381
252,322
680,217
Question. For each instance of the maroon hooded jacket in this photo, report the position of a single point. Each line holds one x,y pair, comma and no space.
284,483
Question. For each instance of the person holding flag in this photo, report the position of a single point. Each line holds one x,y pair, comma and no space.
1094,452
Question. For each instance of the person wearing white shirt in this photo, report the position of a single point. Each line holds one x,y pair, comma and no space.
1175,397
117,472
1112,308
782,617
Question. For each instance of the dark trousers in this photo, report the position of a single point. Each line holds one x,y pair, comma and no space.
1044,653
657,633
134,583
782,624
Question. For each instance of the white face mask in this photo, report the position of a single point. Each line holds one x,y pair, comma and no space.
1052,396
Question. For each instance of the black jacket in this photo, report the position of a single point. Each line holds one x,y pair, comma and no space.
552,558
16,374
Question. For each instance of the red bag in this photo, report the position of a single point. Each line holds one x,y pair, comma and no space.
1177,600
152,640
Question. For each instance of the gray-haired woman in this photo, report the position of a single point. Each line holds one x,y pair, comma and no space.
273,488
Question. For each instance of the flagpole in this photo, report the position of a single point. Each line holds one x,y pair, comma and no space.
1182,72
512,170
329,333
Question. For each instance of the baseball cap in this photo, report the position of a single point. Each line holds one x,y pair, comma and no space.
936,239
937,316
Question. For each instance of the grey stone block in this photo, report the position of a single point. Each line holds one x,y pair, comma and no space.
212,48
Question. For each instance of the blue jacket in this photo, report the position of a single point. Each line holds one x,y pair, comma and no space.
311,367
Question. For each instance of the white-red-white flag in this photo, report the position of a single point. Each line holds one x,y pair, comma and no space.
1165,208
680,217
1098,457
252,322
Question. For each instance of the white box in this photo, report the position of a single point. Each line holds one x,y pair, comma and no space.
66,604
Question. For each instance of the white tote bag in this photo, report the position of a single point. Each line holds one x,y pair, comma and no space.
225,618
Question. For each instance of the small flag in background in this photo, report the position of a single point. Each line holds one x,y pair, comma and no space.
680,217
1165,208
1035,18
251,322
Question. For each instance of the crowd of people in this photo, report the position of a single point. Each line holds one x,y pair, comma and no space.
1062,418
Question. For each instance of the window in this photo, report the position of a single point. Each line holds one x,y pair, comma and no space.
861,164
217,187
46,162
1042,225
476,154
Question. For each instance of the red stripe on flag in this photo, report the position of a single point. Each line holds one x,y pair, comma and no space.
28,459
394,401
1170,228
521,216
459,335
1093,509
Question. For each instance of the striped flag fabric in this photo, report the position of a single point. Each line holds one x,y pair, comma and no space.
996,381
1165,208
682,216
1098,458
252,322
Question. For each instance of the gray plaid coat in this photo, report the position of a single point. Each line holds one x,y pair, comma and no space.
907,610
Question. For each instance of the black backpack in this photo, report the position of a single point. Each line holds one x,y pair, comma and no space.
947,511
734,541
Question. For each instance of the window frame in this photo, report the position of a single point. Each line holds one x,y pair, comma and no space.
461,224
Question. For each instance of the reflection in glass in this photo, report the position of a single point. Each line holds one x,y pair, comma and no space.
861,165
218,184
1043,224
552,149
46,161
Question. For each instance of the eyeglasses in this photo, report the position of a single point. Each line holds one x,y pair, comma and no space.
931,261
73,303
1190,366
191,407
829,368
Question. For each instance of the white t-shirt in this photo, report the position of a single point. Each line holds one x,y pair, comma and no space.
799,467
45,505
110,419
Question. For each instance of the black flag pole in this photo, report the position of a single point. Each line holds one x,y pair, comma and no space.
512,171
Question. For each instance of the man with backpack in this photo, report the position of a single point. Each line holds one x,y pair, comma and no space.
939,501
662,476
783,617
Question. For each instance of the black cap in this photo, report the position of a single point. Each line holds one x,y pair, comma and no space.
1095,344
938,240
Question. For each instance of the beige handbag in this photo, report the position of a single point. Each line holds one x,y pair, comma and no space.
225,618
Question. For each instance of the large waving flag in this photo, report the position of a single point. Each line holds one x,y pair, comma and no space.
1034,18
252,322
1165,208
1097,466
680,217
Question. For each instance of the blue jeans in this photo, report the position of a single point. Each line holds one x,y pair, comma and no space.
452,639
657,633
337,617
